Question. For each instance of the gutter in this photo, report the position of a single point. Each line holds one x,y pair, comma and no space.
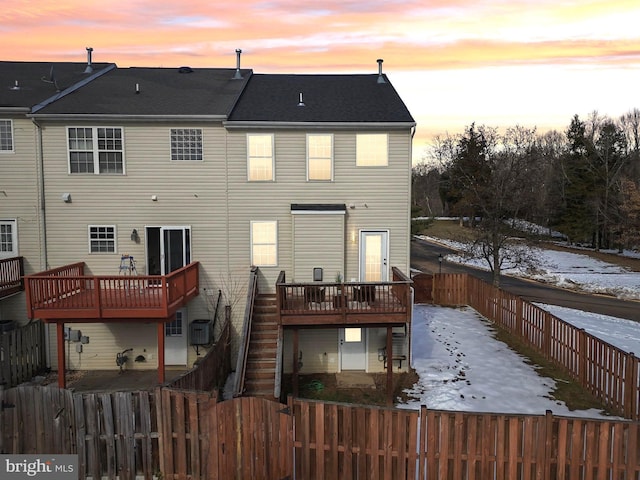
329,125
127,118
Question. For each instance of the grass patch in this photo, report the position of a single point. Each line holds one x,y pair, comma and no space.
567,390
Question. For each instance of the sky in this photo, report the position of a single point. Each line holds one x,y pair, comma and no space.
461,367
500,63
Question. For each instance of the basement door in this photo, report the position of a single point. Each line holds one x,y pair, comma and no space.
168,249
353,349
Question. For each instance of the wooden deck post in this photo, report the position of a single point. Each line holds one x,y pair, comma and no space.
160,352
390,366
62,367
294,379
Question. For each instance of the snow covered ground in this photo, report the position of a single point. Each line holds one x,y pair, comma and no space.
569,270
463,368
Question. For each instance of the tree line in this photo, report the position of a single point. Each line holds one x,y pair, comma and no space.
583,182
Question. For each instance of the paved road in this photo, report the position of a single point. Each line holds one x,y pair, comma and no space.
424,257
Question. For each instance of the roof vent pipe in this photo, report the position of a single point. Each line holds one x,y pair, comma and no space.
238,75
300,102
89,68
380,77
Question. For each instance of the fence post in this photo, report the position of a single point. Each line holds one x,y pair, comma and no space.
582,356
631,386
547,335
519,317
548,445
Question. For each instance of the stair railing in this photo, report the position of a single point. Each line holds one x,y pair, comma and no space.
243,351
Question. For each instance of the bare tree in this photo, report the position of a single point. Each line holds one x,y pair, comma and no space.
491,177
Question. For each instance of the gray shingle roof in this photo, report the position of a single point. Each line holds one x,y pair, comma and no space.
163,92
35,83
327,98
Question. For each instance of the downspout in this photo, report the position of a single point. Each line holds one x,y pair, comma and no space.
42,223
408,260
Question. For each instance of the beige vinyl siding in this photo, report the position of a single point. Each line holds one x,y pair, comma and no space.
380,196
318,242
188,194
20,200
319,349
214,198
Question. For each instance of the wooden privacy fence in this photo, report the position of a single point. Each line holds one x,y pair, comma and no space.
609,373
22,354
212,370
173,434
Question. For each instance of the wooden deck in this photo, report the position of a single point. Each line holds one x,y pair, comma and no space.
345,304
11,276
67,293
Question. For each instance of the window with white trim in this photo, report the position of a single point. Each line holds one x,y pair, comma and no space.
260,157
372,150
102,239
97,150
6,136
186,144
264,243
319,157
8,239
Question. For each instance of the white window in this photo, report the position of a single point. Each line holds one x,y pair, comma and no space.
8,239
102,239
372,150
6,136
96,150
319,157
260,157
186,144
264,243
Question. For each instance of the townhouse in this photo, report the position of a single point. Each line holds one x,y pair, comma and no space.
144,172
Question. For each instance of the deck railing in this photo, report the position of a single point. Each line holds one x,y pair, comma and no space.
11,276
66,292
345,303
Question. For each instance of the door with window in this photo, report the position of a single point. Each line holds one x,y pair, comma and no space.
8,239
353,349
374,253
168,249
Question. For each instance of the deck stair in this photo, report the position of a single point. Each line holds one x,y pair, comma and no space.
263,345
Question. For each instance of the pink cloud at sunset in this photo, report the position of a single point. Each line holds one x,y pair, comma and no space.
533,62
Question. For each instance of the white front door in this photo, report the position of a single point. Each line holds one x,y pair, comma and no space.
8,238
374,254
353,349
175,340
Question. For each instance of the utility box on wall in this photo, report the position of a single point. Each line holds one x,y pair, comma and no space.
200,332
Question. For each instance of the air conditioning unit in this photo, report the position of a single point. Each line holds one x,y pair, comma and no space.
200,332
